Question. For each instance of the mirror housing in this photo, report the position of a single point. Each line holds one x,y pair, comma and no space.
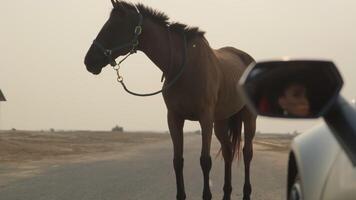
291,88
302,89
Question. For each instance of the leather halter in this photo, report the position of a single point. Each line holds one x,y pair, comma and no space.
133,44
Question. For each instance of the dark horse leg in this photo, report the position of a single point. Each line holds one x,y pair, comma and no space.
176,124
221,132
249,120
206,124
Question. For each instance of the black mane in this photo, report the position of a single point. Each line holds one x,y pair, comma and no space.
163,20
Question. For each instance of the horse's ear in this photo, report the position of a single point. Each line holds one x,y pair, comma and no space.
117,4
114,3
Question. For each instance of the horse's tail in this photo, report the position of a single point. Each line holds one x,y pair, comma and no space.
235,123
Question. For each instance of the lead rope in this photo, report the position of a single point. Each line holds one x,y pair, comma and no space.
117,66
120,79
170,54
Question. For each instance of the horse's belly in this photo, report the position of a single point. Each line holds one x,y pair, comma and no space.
229,100
227,109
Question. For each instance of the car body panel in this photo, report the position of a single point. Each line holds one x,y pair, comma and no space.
315,152
341,183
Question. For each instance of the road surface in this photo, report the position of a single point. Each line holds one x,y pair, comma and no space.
146,173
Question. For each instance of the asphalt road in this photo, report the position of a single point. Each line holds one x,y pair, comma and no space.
146,173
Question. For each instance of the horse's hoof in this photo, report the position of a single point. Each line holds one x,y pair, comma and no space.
246,198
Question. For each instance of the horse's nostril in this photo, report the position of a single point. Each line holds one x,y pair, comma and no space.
86,61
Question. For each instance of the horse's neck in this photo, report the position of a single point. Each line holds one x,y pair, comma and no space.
153,42
163,47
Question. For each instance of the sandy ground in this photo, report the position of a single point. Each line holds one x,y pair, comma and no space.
24,146
106,165
27,153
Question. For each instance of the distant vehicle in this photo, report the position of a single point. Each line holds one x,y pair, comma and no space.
322,161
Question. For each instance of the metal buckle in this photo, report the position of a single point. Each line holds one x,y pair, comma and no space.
138,30
107,52
120,79
135,43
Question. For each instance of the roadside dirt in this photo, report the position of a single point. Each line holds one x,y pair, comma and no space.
23,146
27,153
274,142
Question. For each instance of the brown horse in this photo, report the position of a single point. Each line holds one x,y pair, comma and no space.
201,84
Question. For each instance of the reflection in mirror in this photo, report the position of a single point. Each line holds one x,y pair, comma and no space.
292,89
291,100
294,100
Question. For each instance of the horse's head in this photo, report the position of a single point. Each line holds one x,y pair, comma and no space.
118,37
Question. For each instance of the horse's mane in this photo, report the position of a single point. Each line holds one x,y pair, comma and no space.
163,20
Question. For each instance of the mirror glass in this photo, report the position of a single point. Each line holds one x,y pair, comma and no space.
291,89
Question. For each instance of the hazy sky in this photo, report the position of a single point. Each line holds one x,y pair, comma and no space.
43,44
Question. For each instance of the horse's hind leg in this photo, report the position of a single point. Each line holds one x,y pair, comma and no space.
221,131
176,124
249,120
206,123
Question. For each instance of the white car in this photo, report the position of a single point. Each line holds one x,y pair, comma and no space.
322,161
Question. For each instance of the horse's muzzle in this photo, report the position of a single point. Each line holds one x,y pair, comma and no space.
94,70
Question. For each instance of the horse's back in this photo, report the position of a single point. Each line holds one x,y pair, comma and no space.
232,63
232,57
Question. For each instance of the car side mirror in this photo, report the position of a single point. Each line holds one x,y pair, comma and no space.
291,89
302,89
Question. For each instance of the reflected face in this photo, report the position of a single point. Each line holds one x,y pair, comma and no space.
294,100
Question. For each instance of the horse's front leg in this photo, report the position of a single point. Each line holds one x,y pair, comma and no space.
206,124
176,124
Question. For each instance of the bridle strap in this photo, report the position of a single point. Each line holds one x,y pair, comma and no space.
170,54
165,87
133,44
